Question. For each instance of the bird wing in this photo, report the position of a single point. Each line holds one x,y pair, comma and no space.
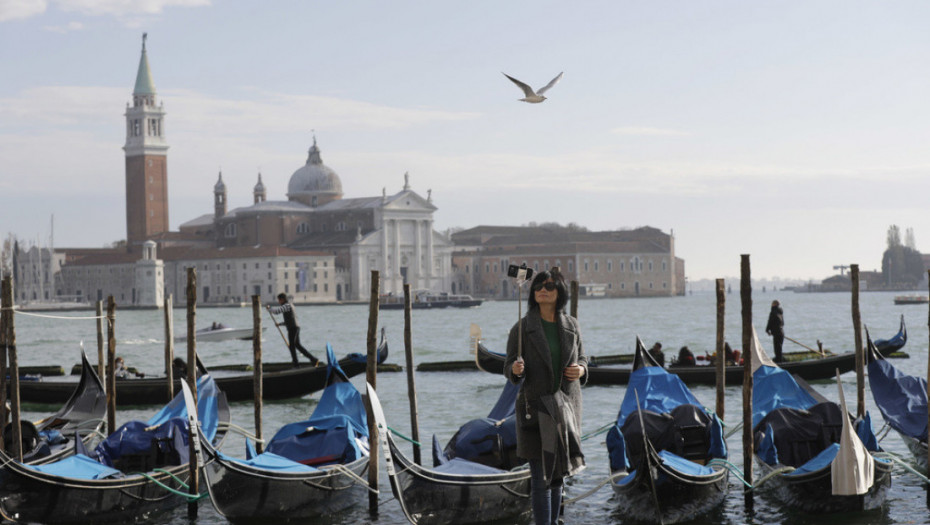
527,90
551,83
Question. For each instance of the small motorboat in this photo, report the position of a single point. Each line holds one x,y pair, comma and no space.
220,332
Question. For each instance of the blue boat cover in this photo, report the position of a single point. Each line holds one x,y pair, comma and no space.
78,466
336,432
167,430
683,465
480,437
820,461
774,388
901,398
659,391
463,466
271,461
207,408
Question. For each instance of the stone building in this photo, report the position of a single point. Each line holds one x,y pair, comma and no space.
628,263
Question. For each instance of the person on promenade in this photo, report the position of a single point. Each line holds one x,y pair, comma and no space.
293,330
544,350
657,354
776,329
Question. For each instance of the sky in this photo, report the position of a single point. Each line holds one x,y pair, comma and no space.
793,131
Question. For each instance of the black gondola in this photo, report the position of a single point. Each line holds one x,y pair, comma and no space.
457,492
82,416
309,469
280,381
814,459
662,449
124,479
902,400
809,369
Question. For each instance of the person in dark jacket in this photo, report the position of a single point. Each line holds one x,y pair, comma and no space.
544,350
657,354
293,330
776,329
685,357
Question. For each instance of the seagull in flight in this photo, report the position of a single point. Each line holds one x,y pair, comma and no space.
534,97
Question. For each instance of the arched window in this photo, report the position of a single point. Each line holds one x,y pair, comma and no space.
231,230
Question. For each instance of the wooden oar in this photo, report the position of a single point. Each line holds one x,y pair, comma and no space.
275,321
805,346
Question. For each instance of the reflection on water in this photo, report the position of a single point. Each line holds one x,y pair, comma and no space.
447,399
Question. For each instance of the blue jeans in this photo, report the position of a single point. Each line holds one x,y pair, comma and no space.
547,500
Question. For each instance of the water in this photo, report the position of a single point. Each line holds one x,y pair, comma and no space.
447,399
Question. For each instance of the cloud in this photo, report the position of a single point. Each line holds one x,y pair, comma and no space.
123,8
70,26
19,9
649,132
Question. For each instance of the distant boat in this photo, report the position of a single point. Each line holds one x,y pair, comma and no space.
911,299
220,332
427,300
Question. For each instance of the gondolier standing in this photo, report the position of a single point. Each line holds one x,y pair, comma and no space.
293,330
776,329
552,366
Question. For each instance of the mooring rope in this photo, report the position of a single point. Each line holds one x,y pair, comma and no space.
187,496
732,468
405,438
236,429
897,459
772,474
597,432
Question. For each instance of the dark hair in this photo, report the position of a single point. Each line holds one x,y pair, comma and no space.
282,296
559,281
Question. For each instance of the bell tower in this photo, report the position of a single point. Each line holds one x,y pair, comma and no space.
146,161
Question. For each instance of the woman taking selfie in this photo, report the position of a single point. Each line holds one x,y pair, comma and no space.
545,351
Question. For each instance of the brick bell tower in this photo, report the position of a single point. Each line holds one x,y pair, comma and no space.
146,161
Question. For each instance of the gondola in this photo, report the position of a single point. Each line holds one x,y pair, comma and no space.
886,346
458,490
815,460
902,400
280,381
81,418
807,369
310,468
137,471
662,448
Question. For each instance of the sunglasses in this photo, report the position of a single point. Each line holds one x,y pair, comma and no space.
548,286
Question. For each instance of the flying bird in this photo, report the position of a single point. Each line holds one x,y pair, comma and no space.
534,97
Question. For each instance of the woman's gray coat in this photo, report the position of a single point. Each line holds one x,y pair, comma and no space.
537,372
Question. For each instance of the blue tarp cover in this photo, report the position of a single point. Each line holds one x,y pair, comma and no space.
463,466
902,399
683,465
818,462
207,408
78,466
471,440
774,388
271,461
659,391
335,433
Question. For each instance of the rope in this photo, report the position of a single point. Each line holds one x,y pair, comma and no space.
590,492
737,428
242,432
189,497
895,458
732,468
172,476
772,474
34,314
398,434
599,431
358,479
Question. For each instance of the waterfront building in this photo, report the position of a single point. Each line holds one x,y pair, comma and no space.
625,263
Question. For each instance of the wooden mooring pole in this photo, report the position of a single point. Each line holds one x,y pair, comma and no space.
169,345
9,345
720,362
101,368
573,297
411,383
745,286
257,368
857,329
111,365
194,471
371,375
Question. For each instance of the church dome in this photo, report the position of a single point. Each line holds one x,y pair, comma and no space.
314,184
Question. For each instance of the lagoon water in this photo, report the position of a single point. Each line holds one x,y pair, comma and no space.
448,399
